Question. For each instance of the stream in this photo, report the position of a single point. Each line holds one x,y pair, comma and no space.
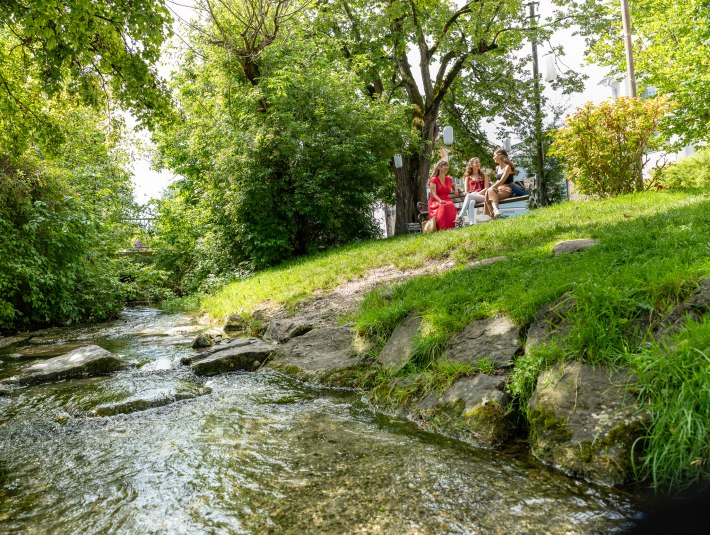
261,453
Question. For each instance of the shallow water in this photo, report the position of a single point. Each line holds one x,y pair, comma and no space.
261,453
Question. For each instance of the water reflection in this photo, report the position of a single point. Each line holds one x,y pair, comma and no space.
261,453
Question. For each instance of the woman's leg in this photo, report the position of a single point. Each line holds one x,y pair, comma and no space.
475,198
464,207
490,207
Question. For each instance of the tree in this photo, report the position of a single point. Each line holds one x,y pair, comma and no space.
89,48
671,53
604,143
469,42
281,151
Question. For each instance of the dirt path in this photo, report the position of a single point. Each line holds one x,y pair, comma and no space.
325,308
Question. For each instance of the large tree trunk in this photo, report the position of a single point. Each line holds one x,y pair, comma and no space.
412,178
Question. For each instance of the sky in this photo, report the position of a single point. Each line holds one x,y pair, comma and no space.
150,184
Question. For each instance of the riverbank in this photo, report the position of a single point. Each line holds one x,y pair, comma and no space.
604,309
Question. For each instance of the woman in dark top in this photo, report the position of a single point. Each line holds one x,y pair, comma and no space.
500,189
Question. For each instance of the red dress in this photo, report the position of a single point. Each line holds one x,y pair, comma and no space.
445,213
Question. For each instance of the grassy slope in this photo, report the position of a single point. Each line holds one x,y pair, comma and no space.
653,249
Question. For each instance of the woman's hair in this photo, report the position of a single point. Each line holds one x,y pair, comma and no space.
506,159
438,167
469,169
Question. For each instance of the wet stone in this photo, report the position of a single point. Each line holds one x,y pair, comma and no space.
220,345
203,340
43,351
247,357
87,361
477,410
495,339
150,400
6,341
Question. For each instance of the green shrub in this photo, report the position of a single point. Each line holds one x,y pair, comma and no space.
603,143
691,172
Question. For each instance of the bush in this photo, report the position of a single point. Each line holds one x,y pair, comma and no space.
691,172
603,143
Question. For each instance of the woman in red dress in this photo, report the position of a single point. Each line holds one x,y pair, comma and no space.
440,205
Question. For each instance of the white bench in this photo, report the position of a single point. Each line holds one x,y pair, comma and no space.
458,201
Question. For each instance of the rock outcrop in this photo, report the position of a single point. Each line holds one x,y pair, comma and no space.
282,330
87,361
495,339
584,422
549,322
400,345
319,353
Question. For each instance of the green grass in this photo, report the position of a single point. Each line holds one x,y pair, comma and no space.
653,250
674,382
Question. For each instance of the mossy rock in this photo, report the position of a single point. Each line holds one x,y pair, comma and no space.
584,422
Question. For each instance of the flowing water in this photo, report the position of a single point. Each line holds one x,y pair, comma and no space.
262,453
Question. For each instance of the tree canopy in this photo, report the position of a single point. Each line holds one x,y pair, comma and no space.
671,52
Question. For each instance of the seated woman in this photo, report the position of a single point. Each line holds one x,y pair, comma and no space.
440,205
475,182
501,188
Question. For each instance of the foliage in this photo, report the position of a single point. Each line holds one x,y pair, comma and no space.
93,49
525,155
674,380
280,168
671,53
467,64
603,143
61,211
690,172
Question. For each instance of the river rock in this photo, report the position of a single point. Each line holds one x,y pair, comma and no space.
220,345
550,322
474,409
87,361
573,246
320,352
282,330
6,341
493,338
400,345
42,351
248,357
203,340
5,390
152,399
235,323
584,422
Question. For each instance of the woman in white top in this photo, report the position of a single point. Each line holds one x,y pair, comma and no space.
500,189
